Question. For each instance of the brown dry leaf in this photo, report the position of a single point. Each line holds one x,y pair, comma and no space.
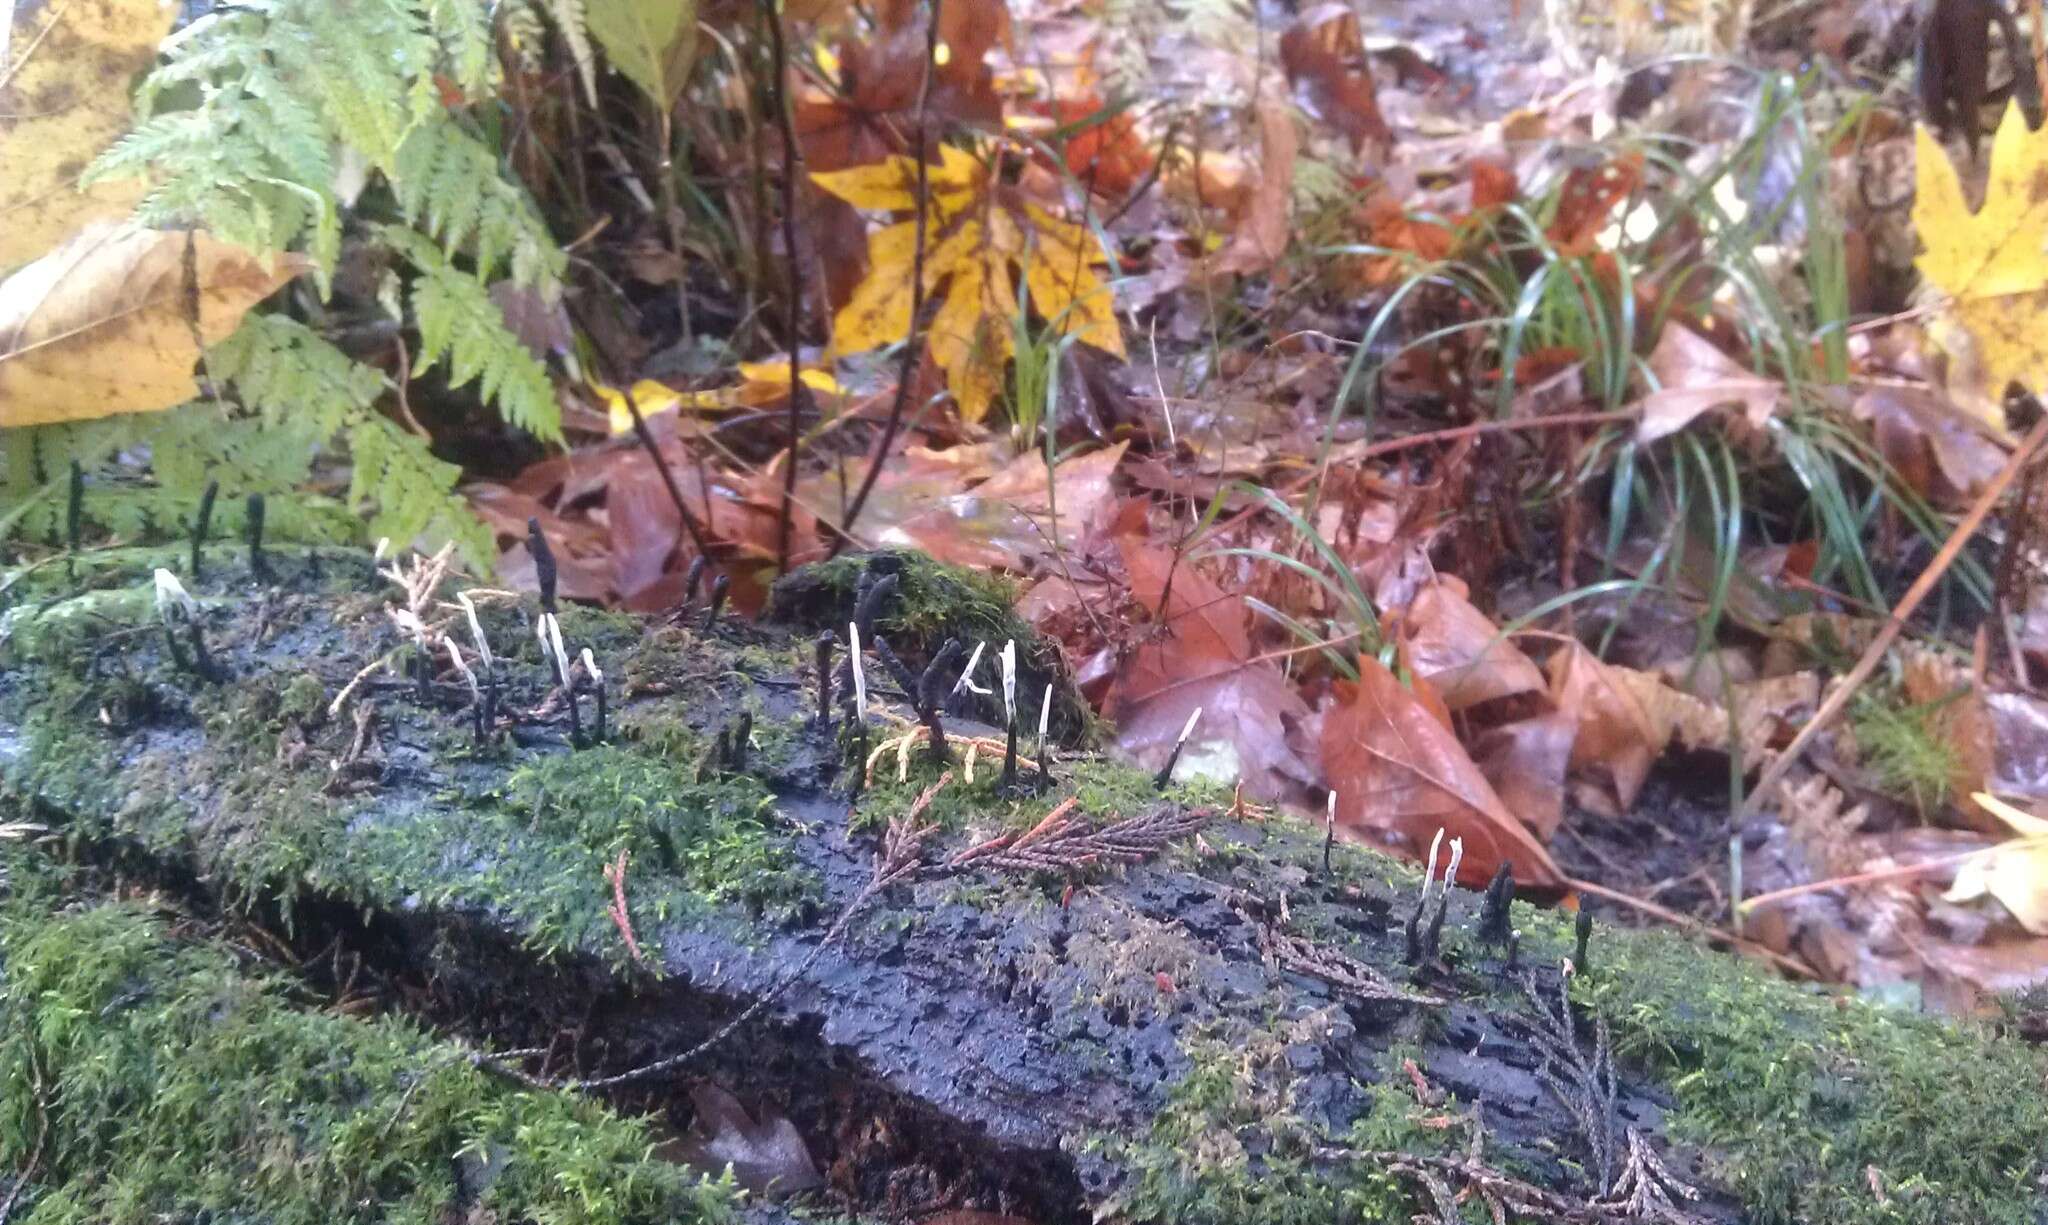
1324,56
1461,651
1694,377
976,505
1265,226
1941,452
1200,656
1764,710
1617,737
1588,200
766,1157
1397,770
100,325
64,97
1526,762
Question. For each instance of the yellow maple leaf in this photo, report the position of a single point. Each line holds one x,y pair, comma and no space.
977,242
760,383
2014,872
1992,265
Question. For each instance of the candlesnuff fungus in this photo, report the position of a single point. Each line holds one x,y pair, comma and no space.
1494,909
1582,933
692,578
719,586
596,677
258,566
1434,943
1165,774
1413,953
823,645
543,564
1044,749
202,524
966,680
74,508
176,609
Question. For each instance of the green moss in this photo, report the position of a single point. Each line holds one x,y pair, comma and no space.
1231,1147
1806,1091
161,1083
935,601
712,836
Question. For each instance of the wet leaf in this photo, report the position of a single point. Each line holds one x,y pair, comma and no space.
1992,264
1588,200
1397,769
761,384
2015,872
1265,225
102,325
976,506
1617,739
1695,377
768,1157
1324,56
1461,651
1200,656
1526,762
64,98
1937,449
651,42
973,247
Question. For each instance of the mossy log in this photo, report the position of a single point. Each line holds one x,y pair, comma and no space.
1085,1002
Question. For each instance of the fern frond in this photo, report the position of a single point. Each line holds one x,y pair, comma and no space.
409,489
449,184
458,321
463,28
574,26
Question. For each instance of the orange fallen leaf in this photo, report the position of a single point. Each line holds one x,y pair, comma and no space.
1396,769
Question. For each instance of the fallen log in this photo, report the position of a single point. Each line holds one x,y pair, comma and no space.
1087,1000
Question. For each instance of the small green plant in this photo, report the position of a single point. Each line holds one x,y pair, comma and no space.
1903,746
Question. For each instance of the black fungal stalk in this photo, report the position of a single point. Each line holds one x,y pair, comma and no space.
1010,758
692,579
259,566
544,569
822,645
1329,831
1494,909
1582,932
74,509
202,525
738,743
1165,775
719,586
930,692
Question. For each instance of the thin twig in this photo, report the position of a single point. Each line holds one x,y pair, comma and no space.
792,161
1719,935
1896,622
906,366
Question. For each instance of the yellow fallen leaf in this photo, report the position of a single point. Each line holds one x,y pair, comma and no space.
104,324
63,99
2015,872
978,242
762,383
1991,264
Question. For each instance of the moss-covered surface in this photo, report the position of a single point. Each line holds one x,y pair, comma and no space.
936,602
156,1079
1105,1039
